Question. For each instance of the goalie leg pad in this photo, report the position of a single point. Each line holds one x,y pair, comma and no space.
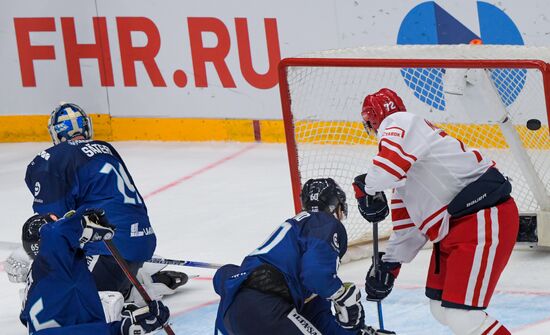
156,290
108,275
112,303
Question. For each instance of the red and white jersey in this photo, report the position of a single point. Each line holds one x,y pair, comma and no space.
427,169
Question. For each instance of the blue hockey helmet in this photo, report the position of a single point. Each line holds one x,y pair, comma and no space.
68,121
323,195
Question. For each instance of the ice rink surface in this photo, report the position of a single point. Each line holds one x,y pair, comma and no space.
216,202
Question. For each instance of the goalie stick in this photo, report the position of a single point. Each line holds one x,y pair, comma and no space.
167,261
124,266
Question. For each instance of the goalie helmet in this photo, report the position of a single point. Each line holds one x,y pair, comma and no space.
31,232
377,106
68,121
323,195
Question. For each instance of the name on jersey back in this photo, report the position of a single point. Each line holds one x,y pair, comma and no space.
92,149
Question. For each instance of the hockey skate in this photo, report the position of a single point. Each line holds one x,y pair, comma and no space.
171,279
368,330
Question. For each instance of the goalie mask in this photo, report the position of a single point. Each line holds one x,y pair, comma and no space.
323,195
30,236
68,121
377,106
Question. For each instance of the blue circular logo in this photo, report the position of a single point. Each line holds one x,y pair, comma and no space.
429,23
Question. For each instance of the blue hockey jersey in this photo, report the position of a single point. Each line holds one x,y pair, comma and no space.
305,249
61,296
91,174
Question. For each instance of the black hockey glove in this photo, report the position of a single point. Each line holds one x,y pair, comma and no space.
144,320
379,284
96,227
374,208
347,304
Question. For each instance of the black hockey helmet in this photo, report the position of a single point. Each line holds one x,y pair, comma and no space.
31,232
324,195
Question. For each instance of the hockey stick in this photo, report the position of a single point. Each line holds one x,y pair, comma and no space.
167,261
375,265
124,266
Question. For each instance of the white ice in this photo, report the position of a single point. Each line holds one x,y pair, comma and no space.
215,202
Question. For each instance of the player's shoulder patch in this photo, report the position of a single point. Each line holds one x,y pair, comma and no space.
394,131
335,243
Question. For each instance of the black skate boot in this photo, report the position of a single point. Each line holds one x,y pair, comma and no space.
172,279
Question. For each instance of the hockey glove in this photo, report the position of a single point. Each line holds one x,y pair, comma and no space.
347,304
374,208
379,284
144,320
96,227
17,266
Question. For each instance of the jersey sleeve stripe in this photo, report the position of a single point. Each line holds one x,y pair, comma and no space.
433,231
431,217
396,201
388,169
399,214
395,157
386,145
478,155
398,147
390,164
403,226
397,206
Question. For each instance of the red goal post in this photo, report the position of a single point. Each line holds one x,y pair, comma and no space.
321,96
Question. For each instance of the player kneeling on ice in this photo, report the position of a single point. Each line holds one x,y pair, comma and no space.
288,284
78,172
61,296
443,192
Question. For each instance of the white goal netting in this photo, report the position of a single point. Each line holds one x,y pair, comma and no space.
483,95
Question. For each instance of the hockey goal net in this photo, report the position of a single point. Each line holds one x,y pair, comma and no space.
483,95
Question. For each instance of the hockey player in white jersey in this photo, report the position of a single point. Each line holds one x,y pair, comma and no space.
443,192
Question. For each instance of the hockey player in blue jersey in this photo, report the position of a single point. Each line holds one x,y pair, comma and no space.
79,172
288,284
61,297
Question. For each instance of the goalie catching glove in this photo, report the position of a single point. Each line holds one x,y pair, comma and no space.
379,283
374,208
349,311
144,320
17,266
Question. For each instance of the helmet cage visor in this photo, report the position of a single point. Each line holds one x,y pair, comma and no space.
366,123
68,121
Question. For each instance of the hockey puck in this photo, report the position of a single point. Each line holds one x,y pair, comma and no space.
533,124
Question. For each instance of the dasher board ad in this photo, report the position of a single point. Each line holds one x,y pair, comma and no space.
215,59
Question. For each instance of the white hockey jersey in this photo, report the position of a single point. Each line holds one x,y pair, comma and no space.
426,168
